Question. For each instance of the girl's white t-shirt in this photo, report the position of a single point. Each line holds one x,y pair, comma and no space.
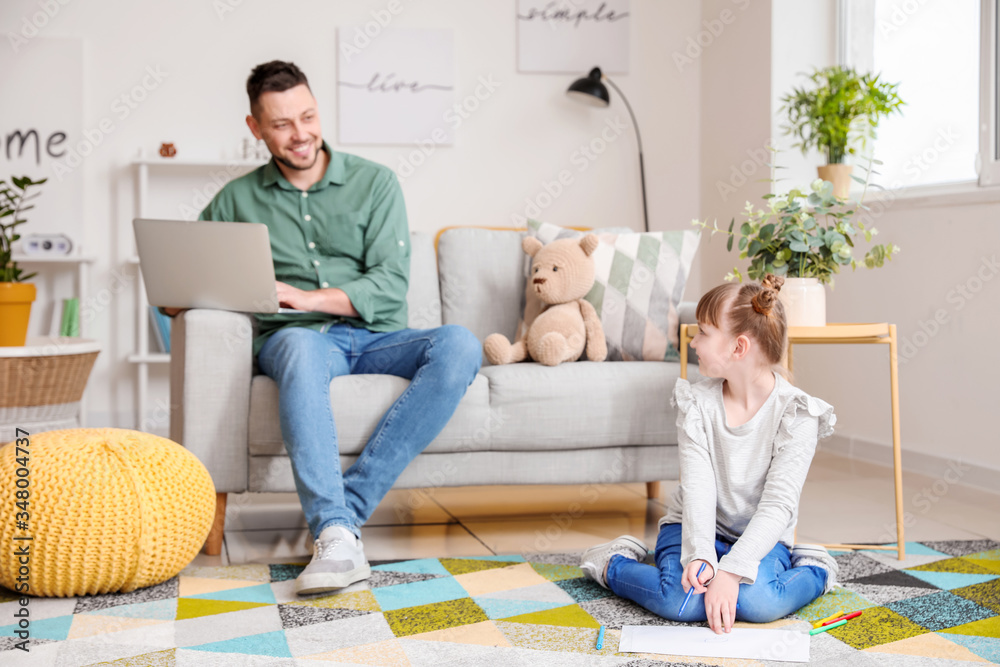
742,482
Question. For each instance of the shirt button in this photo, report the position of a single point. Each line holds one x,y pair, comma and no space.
326,284
311,245
308,217
315,262
305,194
401,243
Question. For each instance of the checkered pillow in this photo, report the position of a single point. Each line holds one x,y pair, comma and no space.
638,284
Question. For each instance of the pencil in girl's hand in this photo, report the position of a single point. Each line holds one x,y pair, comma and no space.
691,590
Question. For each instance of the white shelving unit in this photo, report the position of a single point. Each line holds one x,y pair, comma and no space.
142,357
82,263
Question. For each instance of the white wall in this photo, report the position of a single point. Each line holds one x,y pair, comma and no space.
509,148
803,36
736,122
947,369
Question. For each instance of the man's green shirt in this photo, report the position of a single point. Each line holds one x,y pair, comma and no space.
348,230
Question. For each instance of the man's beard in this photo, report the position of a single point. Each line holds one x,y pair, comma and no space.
295,166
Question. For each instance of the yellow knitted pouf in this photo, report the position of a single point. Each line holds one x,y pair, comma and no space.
108,510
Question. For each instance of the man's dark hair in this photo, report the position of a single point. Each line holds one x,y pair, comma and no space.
276,76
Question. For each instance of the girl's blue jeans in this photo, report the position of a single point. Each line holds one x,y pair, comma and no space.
777,591
440,364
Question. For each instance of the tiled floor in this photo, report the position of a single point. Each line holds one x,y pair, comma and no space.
844,501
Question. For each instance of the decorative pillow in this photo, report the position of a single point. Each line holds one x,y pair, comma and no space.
639,282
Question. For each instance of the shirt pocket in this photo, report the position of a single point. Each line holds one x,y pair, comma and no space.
341,234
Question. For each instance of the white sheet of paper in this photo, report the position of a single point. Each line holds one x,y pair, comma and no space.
785,644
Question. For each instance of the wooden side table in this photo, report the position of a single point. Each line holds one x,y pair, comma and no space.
851,334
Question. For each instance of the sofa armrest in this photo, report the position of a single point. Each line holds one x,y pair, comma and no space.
211,365
685,312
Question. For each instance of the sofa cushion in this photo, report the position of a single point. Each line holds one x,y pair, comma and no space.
583,404
358,402
638,284
482,283
422,298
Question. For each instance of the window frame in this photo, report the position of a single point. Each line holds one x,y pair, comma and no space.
989,96
983,187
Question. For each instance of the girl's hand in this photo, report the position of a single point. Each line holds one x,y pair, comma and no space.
720,601
690,577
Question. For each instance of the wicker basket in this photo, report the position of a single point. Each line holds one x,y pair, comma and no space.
44,380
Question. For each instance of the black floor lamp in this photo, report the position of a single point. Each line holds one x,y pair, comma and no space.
592,91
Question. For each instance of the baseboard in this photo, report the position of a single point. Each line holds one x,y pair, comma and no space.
970,474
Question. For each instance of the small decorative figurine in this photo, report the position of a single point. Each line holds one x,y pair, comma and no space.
167,149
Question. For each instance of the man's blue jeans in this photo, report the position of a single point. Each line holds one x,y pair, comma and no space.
777,591
440,363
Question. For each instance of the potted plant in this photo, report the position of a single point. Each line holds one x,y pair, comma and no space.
806,239
16,296
841,110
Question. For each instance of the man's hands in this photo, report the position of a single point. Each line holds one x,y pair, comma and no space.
293,297
331,300
720,601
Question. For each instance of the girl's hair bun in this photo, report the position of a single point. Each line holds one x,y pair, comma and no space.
763,301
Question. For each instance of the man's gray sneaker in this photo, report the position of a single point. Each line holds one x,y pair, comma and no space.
817,555
595,559
338,561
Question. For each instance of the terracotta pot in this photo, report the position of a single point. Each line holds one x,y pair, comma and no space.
805,302
15,309
839,175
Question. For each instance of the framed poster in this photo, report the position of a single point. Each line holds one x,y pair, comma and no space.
572,36
398,88
41,133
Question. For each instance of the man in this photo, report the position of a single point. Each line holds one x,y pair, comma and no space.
341,250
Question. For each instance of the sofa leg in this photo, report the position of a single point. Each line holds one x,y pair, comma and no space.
213,543
652,489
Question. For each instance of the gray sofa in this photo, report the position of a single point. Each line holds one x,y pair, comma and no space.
577,423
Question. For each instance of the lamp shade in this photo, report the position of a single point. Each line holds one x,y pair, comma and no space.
590,90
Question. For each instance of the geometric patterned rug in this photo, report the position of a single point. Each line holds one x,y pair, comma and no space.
939,607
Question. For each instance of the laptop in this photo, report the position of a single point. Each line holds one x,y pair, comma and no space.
206,264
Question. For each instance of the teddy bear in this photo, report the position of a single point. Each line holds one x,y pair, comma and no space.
562,273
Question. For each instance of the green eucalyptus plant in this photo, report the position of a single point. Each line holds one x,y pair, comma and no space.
842,108
804,236
12,205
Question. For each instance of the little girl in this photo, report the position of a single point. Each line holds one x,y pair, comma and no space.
746,438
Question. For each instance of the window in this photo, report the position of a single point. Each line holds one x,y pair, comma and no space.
989,172
932,48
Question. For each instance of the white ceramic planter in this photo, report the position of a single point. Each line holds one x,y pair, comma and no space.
805,302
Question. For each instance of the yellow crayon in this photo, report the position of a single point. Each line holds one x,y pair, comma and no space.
828,618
